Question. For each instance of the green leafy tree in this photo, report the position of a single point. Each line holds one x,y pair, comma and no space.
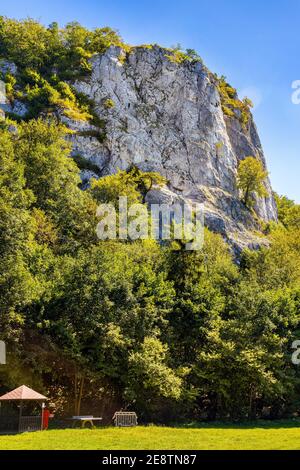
193,55
109,188
134,184
53,178
150,377
250,180
288,212
20,284
24,42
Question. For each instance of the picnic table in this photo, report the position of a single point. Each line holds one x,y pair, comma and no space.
84,420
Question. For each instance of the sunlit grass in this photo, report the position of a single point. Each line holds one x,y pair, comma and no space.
207,437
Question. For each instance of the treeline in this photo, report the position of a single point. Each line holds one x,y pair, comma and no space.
169,333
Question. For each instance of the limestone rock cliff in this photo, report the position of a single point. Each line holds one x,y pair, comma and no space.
167,117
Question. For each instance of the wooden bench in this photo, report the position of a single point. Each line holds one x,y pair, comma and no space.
125,419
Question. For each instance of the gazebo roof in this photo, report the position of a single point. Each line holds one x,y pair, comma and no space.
23,393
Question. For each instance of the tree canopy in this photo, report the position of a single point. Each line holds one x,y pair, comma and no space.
250,180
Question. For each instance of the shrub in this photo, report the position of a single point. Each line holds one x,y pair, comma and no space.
232,106
109,103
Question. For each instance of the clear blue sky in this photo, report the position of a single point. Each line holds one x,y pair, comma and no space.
255,43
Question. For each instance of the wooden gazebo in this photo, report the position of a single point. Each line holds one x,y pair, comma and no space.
22,423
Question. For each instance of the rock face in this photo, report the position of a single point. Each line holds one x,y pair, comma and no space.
7,67
167,117
17,107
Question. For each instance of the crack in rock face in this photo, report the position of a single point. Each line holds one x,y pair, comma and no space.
167,117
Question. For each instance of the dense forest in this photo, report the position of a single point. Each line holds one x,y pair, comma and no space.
99,325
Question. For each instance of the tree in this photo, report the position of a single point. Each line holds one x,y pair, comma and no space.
277,266
24,42
150,378
133,183
201,280
145,181
193,55
53,178
109,188
24,261
288,212
102,38
250,180
109,298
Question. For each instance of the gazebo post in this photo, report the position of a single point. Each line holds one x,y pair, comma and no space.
20,414
42,414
